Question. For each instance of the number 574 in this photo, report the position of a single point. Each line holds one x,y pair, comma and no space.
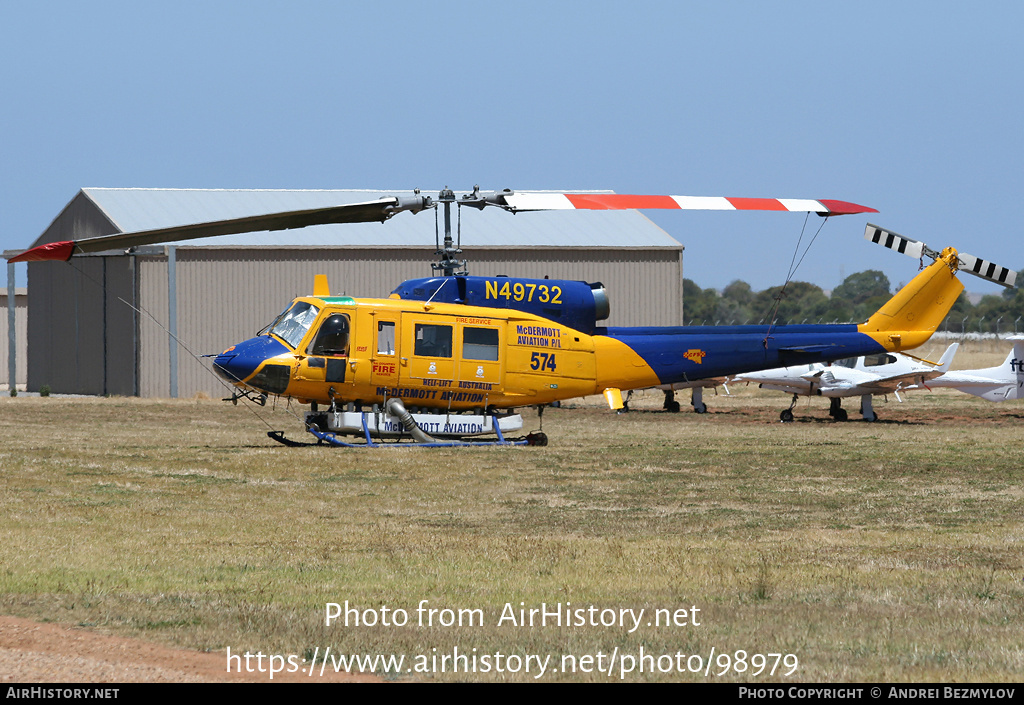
542,361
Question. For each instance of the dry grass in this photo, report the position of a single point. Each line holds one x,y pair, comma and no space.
874,552
972,354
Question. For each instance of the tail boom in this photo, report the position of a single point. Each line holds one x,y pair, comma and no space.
631,358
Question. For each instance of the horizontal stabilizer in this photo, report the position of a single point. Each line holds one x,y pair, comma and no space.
901,244
808,349
801,354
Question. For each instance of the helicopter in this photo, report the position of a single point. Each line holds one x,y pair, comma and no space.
448,359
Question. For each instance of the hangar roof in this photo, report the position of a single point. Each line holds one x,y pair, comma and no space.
132,209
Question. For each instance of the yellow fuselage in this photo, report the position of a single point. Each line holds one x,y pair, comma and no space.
493,358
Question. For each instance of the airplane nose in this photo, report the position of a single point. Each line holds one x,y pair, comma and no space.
240,361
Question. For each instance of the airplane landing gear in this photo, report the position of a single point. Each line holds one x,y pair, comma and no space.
787,414
697,400
670,405
867,412
836,410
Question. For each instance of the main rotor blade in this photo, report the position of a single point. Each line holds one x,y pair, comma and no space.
526,201
349,213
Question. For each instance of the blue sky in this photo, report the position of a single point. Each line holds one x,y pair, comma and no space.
912,108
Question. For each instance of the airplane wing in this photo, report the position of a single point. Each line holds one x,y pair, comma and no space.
898,383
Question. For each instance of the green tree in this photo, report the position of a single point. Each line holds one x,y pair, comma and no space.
863,293
839,311
862,286
853,301
699,305
798,302
735,304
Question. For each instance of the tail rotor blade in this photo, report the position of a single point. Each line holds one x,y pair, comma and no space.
989,271
886,238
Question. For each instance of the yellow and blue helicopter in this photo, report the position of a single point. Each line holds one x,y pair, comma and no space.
449,358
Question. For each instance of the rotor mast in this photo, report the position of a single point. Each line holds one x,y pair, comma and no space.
449,265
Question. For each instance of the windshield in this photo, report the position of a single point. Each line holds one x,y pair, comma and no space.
292,325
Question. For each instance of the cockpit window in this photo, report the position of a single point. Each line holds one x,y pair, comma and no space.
850,362
291,326
880,359
332,338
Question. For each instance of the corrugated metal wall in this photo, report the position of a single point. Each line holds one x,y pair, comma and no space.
80,336
20,334
65,329
227,295
80,333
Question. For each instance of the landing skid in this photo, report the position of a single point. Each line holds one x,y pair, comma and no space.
537,438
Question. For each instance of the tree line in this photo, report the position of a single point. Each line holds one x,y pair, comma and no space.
853,301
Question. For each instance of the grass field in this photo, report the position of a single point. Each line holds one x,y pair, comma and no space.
891,551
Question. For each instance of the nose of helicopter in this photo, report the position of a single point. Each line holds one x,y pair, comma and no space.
239,361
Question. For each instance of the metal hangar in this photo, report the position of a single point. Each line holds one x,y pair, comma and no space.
102,324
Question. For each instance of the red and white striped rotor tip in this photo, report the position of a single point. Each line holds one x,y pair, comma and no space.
527,201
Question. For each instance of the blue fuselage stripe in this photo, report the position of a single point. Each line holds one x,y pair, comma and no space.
678,354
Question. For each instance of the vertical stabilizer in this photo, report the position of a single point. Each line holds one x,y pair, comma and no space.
947,357
910,317
1016,362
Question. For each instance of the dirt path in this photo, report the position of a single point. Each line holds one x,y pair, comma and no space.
31,652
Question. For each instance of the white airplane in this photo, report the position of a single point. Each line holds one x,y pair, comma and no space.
886,373
1005,381
890,372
